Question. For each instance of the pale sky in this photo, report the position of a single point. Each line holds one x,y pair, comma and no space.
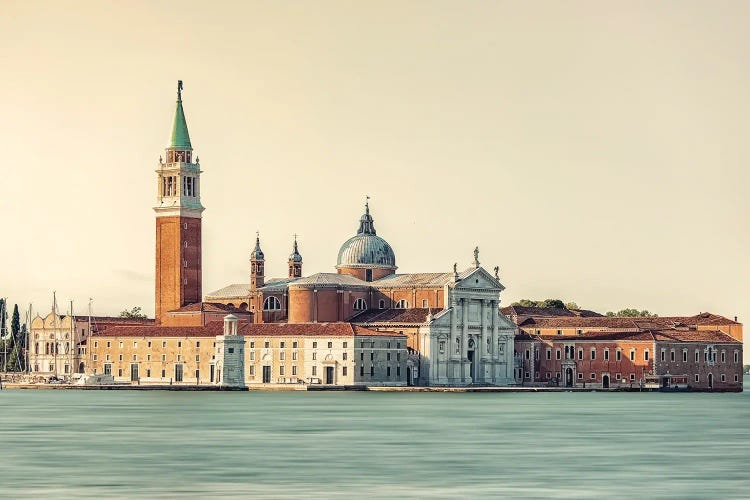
595,151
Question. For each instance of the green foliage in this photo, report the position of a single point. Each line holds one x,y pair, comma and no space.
546,304
15,322
632,313
572,306
133,313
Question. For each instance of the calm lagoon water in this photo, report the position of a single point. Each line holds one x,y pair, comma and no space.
344,444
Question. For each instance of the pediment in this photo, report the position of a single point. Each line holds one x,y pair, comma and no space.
479,279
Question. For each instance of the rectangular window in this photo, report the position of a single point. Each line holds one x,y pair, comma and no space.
330,345
362,368
135,344
618,355
580,354
618,376
593,376
697,378
163,357
294,356
198,358
252,370
267,344
442,347
696,355
525,374
252,355
684,355
632,376
645,355
361,356
314,370
723,378
109,344
663,354
252,345
593,354
198,344
606,354
559,332
282,355
294,345
346,345
549,353
372,356
549,375
632,355
315,345
671,356
96,344
282,344
557,353
120,357
148,357
121,344
388,356
163,373
281,370
344,356
372,370
294,370
148,344
398,371
163,344
580,376
388,371
314,356
723,357
179,343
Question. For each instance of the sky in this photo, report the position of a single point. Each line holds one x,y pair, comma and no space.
596,151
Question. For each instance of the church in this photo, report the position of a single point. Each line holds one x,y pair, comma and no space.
455,333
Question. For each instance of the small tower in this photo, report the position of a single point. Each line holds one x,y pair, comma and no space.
230,358
295,261
178,221
257,263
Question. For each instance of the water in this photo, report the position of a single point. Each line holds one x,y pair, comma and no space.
345,444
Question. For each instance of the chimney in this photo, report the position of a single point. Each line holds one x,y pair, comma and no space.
735,319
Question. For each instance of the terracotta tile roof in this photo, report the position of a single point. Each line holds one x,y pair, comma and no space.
214,307
623,322
518,311
250,330
710,336
410,316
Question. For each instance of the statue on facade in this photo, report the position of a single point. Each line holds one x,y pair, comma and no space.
476,256
455,271
497,273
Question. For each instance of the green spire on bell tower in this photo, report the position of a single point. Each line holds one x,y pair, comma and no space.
180,136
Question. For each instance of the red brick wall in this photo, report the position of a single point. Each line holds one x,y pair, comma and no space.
177,285
703,367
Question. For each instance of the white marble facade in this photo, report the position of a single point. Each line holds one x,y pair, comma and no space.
469,342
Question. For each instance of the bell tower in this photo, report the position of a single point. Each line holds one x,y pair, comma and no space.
257,263
295,261
178,221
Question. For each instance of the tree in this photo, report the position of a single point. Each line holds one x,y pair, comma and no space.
632,313
133,313
545,304
15,322
572,306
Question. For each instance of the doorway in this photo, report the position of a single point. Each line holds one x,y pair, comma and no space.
213,373
266,374
329,375
568,377
134,373
710,381
178,373
470,356
605,381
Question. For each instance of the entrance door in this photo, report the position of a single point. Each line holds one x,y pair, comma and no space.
605,381
470,356
329,375
568,377
710,381
178,373
133,373
213,372
267,374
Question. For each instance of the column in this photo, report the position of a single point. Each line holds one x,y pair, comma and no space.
465,339
482,344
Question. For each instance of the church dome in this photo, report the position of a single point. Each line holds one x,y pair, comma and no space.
366,249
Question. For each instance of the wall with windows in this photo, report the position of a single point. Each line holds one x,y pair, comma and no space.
624,362
715,366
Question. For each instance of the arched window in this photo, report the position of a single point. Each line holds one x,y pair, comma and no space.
360,305
402,304
381,304
271,304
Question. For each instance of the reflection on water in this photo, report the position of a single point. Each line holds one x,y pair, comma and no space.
322,445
